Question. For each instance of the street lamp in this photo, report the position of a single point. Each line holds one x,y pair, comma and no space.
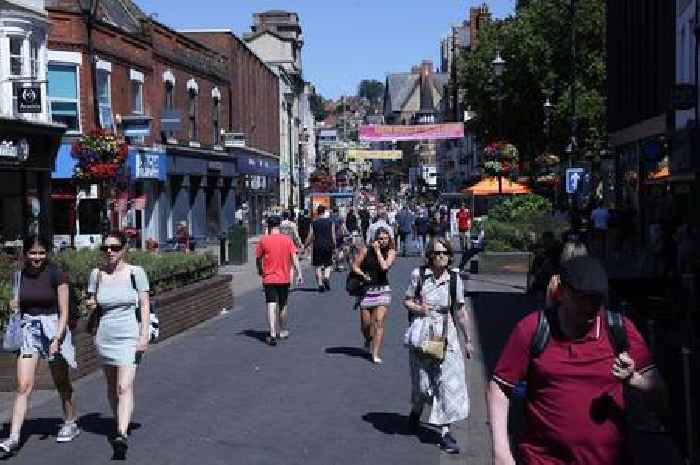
88,8
289,99
499,66
548,110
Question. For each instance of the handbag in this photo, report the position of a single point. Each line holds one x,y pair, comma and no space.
355,284
94,318
12,340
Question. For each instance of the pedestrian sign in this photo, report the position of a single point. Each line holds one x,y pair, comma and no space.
573,177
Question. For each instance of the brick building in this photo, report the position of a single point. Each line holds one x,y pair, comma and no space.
255,115
172,97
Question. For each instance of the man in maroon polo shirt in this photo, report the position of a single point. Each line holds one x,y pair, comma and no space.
574,411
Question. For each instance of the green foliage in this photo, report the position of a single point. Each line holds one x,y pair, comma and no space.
165,272
536,45
318,107
371,89
514,224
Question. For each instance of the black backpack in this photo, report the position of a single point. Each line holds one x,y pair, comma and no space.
453,289
615,323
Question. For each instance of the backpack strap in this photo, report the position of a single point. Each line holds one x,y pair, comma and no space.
421,279
615,323
616,330
542,333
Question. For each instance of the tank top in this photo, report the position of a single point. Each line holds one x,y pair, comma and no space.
371,266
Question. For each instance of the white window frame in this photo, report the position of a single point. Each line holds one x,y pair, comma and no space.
136,78
22,54
216,115
65,61
106,68
34,57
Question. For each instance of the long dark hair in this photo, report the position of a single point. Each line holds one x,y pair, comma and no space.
31,241
391,245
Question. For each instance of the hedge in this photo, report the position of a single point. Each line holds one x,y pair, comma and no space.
165,272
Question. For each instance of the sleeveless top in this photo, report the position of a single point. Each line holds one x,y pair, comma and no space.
371,266
323,238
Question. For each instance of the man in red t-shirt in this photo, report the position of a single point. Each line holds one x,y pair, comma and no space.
464,224
574,408
275,254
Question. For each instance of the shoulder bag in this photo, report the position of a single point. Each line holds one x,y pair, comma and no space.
435,347
12,340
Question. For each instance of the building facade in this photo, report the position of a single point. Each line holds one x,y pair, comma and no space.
641,68
28,141
169,96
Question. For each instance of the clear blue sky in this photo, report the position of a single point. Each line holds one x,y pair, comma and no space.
345,41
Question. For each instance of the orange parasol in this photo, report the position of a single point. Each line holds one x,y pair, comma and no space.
489,186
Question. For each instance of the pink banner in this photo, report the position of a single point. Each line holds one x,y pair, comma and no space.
386,133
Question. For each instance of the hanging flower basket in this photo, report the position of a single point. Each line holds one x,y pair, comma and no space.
100,157
547,159
501,151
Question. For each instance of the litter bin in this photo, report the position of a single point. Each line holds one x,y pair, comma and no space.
238,245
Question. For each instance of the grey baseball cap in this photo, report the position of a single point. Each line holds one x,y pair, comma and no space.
585,275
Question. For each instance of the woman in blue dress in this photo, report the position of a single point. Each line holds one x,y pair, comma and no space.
118,291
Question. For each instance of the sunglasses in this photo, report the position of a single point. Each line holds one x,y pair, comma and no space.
112,248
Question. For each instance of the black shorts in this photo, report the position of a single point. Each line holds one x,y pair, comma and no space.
276,293
322,257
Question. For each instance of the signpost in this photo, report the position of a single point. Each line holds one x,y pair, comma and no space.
573,178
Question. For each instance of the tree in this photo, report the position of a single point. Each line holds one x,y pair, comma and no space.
318,107
371,89
536,45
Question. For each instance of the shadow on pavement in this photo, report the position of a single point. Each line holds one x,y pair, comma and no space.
304,289
254,334
349,351
396,423
95,423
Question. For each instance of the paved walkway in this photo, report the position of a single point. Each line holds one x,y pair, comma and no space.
218,395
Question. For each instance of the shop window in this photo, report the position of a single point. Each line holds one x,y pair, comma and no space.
137,97
104,97
168,104
16,55
193,114
63,96
216,110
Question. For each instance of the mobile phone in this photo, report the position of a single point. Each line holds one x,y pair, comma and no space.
138,356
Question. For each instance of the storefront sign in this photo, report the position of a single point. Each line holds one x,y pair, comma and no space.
29,100
356,154
234,139
145,164
19,151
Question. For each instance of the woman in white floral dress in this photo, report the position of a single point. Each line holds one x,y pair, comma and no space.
439,385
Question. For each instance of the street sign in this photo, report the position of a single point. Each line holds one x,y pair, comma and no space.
573,178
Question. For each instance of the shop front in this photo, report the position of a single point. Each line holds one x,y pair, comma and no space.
198,194
27,155
257,184
139,208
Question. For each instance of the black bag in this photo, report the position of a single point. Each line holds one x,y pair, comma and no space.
355,284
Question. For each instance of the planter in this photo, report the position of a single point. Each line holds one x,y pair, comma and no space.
178,310
504,262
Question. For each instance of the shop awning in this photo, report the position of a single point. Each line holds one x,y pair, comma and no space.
65,163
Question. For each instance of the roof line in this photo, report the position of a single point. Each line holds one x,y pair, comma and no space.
206,30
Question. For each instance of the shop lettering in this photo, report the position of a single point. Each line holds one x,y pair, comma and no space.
19,151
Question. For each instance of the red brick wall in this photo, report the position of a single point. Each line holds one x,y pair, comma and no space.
149,55
255,91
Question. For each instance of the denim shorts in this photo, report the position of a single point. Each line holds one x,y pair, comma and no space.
37,333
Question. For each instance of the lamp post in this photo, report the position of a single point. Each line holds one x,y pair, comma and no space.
499,66
290,102
88,8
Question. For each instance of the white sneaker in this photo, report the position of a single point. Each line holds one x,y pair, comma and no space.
9,445
68,432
